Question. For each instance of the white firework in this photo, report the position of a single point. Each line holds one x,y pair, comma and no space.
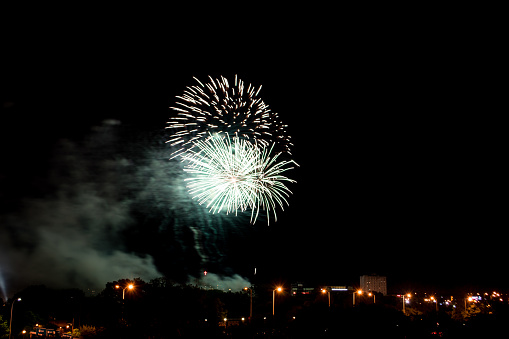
218,107
234,175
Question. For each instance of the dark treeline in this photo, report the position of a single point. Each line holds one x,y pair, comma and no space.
164,309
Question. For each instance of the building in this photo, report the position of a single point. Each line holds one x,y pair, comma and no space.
374,283
300,289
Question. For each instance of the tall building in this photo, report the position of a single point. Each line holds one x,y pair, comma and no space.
374,283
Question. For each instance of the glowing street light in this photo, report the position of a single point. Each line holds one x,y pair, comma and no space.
433,300
250,302
279,289
328,292
408,295
374,297
130,287
359,292
469,299
10,324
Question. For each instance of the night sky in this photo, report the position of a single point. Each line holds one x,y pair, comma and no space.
400,158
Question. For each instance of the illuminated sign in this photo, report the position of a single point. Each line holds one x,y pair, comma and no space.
339,288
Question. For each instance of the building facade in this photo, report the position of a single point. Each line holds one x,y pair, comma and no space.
374,283
300,289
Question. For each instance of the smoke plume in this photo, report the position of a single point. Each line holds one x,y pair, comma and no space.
113,206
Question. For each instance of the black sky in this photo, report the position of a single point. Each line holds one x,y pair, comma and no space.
400,160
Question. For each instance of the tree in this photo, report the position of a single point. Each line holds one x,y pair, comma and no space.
471,311
221,311
4,328
86,332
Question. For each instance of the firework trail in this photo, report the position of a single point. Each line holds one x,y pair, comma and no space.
233,174
219,107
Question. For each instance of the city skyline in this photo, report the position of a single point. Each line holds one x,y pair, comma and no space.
399,171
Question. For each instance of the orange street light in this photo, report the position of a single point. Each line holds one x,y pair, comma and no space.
250,302
324,290
130,286
408,295
279,289
359,292
469,299
374,297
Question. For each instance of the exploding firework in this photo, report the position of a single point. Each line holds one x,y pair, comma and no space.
218,107
232,174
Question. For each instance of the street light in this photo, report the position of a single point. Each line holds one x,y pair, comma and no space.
250,302
10,324
359,292
324,290
279,289
435,301
469,299
408,295
130,286
374,297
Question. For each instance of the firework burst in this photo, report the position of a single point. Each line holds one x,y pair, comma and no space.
233,174
217,106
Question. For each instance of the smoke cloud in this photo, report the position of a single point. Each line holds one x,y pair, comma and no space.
3,291
71,237
113,207
235,283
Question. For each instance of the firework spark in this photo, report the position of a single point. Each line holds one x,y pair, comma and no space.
219,107
233,174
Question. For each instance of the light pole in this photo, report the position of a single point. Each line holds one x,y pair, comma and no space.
435,301
408,295
324,290
250,302
279,289
10,324
359,292
374,297
130,286
467,299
